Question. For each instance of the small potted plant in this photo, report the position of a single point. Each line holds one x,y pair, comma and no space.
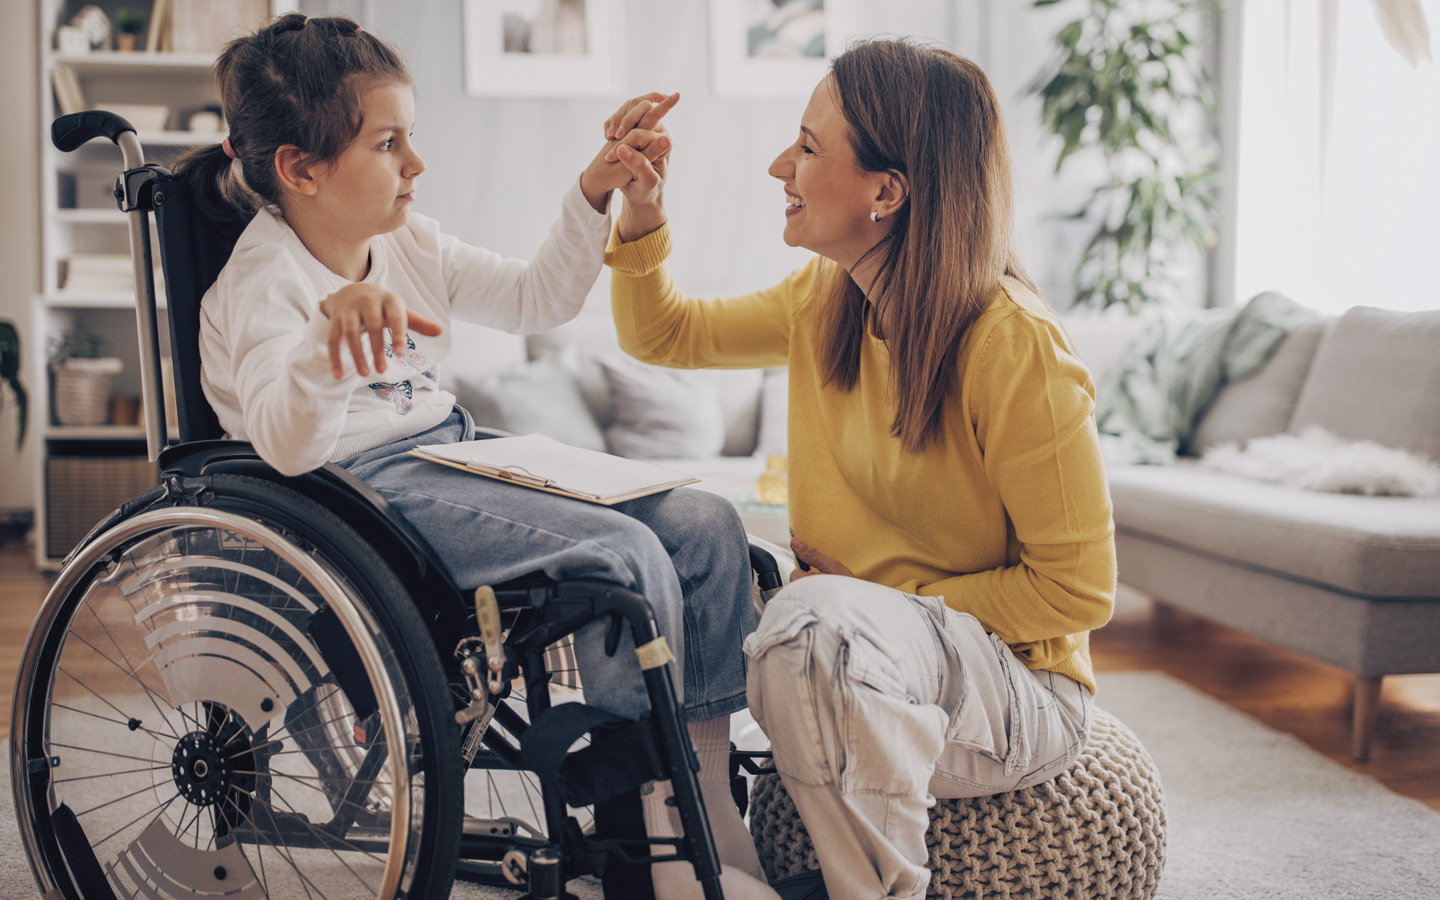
128,25
10,374
82,378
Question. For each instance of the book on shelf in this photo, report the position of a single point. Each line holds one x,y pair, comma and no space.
156,28
101,272
544,464
205,26
68,96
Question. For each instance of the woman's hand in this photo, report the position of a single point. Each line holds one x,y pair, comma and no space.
819,563
636,130
358,310
644,209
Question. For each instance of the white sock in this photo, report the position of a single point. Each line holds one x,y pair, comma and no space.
732,839
676,881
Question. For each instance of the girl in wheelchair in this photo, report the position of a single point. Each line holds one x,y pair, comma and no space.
323,340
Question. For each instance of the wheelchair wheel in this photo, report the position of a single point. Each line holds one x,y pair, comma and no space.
227,693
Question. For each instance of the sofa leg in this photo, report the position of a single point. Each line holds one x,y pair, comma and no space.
1367,705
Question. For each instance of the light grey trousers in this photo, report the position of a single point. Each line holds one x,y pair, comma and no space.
876,702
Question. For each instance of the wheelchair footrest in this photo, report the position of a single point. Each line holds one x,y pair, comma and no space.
622,754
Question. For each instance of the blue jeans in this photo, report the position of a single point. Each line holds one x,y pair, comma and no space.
684,550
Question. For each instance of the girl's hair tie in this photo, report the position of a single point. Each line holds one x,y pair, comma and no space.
359,29
229,150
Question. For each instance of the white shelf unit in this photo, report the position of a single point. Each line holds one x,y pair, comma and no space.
89,470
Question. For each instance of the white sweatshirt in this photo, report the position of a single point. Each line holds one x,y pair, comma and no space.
265,367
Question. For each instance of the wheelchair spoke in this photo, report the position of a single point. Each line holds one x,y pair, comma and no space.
85,712
101,752
106,774
260,850
315,831
160,808
148,787
304,881
128,669
291,734
91,692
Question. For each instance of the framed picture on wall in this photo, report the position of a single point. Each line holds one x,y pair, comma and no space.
775,48
542,48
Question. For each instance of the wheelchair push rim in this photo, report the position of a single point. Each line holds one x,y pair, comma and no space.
213,688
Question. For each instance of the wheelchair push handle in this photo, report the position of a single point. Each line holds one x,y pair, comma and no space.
70,131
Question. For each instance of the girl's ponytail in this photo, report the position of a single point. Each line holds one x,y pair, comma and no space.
215,186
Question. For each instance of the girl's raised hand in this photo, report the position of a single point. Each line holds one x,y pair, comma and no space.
360,310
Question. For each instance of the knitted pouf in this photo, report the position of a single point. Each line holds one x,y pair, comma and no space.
1095,831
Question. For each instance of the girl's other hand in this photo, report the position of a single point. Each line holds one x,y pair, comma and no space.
359,310
819,563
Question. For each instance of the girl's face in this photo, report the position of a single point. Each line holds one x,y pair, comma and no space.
829,195
368,189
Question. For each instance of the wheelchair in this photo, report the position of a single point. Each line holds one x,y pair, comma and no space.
247,685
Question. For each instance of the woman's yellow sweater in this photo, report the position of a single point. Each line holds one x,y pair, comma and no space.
1007,515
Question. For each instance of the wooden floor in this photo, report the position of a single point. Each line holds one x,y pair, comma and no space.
1284,690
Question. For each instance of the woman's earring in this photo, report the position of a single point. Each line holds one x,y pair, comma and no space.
874,216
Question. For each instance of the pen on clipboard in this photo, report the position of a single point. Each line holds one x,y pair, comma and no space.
518,474
804,567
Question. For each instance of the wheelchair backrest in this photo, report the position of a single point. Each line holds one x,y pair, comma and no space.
194,247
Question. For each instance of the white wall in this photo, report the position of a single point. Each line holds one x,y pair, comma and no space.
20,248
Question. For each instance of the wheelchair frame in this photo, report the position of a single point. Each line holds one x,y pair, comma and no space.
220,484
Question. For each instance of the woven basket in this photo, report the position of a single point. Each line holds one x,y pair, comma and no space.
82,390
1096,831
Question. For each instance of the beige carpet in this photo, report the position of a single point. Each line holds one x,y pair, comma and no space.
1253,814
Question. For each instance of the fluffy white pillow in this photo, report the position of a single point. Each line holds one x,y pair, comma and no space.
1317,460
661,413
537,398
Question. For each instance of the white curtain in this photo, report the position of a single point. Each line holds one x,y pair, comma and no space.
1338,190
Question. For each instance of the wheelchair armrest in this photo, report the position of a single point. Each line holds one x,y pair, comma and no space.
767,571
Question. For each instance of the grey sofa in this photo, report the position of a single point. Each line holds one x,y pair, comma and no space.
1353,580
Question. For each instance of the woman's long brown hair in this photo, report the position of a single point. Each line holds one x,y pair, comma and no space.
933,117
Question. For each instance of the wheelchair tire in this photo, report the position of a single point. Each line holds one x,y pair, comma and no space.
204,703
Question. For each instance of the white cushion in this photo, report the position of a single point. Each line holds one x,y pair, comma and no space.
660,412
1376,377
537,398
592,334
1261,405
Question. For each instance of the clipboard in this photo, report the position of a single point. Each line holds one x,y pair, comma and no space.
544,464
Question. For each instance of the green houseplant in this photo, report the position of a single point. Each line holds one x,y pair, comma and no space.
1124,76
82,377
10,375
128,25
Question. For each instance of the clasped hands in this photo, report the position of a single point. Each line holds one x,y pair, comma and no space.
634,158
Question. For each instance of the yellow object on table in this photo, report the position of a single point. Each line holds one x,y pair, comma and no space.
773,488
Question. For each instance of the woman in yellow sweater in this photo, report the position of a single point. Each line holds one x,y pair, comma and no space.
946,487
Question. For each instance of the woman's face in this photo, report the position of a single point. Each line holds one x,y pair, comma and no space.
829,196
